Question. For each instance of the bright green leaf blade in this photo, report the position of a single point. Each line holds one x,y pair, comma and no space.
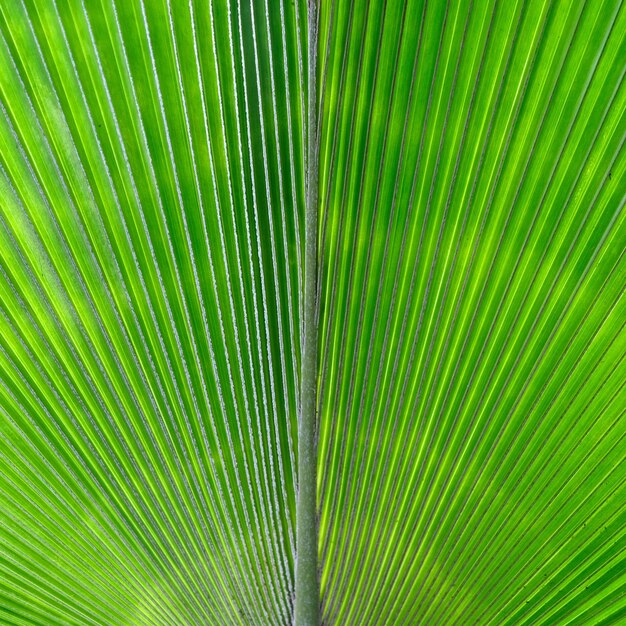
471,423
153,180
152,190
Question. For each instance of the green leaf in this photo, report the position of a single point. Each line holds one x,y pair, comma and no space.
237,234
472,315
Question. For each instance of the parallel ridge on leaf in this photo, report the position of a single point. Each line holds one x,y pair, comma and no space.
471,401
151,200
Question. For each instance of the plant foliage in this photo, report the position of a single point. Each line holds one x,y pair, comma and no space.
157,164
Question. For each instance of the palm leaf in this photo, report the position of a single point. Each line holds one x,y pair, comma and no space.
234,234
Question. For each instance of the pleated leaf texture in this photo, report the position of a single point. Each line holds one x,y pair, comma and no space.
157,161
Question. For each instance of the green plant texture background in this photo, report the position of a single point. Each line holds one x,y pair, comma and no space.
157,164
